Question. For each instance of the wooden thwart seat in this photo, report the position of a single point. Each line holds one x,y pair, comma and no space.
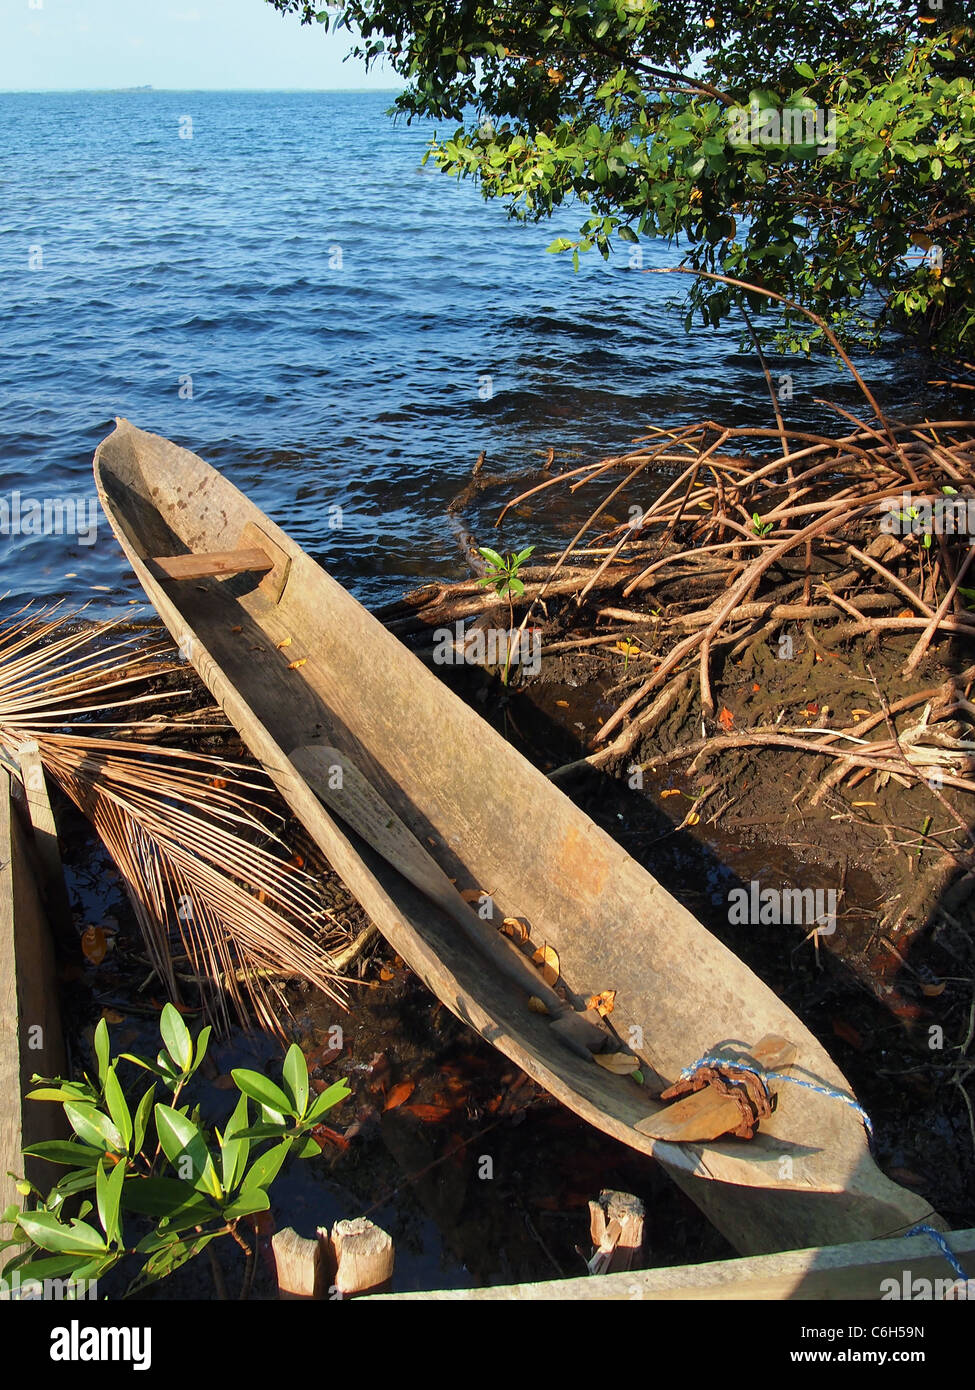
217,562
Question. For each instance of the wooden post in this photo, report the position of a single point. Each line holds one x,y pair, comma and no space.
616,1226
45,836
30,1025
363,1255
299,1265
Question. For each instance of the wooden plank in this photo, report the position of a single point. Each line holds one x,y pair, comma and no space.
30,1026
857,1271
53,887
215,563
341,785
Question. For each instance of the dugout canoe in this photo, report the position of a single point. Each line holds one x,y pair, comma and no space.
231,587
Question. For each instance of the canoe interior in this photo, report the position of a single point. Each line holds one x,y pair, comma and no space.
496,824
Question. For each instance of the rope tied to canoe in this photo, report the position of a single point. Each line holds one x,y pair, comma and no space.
714,1060
944,1247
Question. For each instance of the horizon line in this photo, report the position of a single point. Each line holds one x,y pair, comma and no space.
149,87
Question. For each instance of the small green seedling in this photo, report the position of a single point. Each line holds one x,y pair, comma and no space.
912,514
760,527
502,577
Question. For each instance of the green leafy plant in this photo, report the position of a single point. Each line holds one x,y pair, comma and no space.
502,577
760,527
152,1161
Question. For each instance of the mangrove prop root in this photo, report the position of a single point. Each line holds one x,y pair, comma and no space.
745,536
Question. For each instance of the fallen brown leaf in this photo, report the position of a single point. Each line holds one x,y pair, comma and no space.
546,958
619,1063
399,1094
323,1137
516,928
94,943
848,1033
605,1001
429,1114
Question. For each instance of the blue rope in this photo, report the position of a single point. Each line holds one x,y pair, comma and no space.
713,1059
943,1246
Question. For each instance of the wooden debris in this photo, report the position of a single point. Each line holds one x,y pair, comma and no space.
616,1226
716,1110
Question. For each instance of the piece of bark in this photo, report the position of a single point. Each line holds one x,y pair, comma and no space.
707,1114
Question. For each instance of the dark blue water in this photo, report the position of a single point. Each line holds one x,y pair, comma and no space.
290,295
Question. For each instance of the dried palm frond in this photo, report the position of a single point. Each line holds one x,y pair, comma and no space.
193,835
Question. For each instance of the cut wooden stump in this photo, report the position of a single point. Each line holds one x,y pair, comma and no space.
363,1255
299,1265
356,1258
616,1226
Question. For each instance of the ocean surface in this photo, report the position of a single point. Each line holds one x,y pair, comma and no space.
272,280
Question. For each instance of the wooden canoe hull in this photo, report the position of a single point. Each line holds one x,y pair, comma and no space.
496,824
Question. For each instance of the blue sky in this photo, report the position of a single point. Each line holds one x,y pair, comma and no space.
62,45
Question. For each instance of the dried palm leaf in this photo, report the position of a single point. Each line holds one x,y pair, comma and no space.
194,836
